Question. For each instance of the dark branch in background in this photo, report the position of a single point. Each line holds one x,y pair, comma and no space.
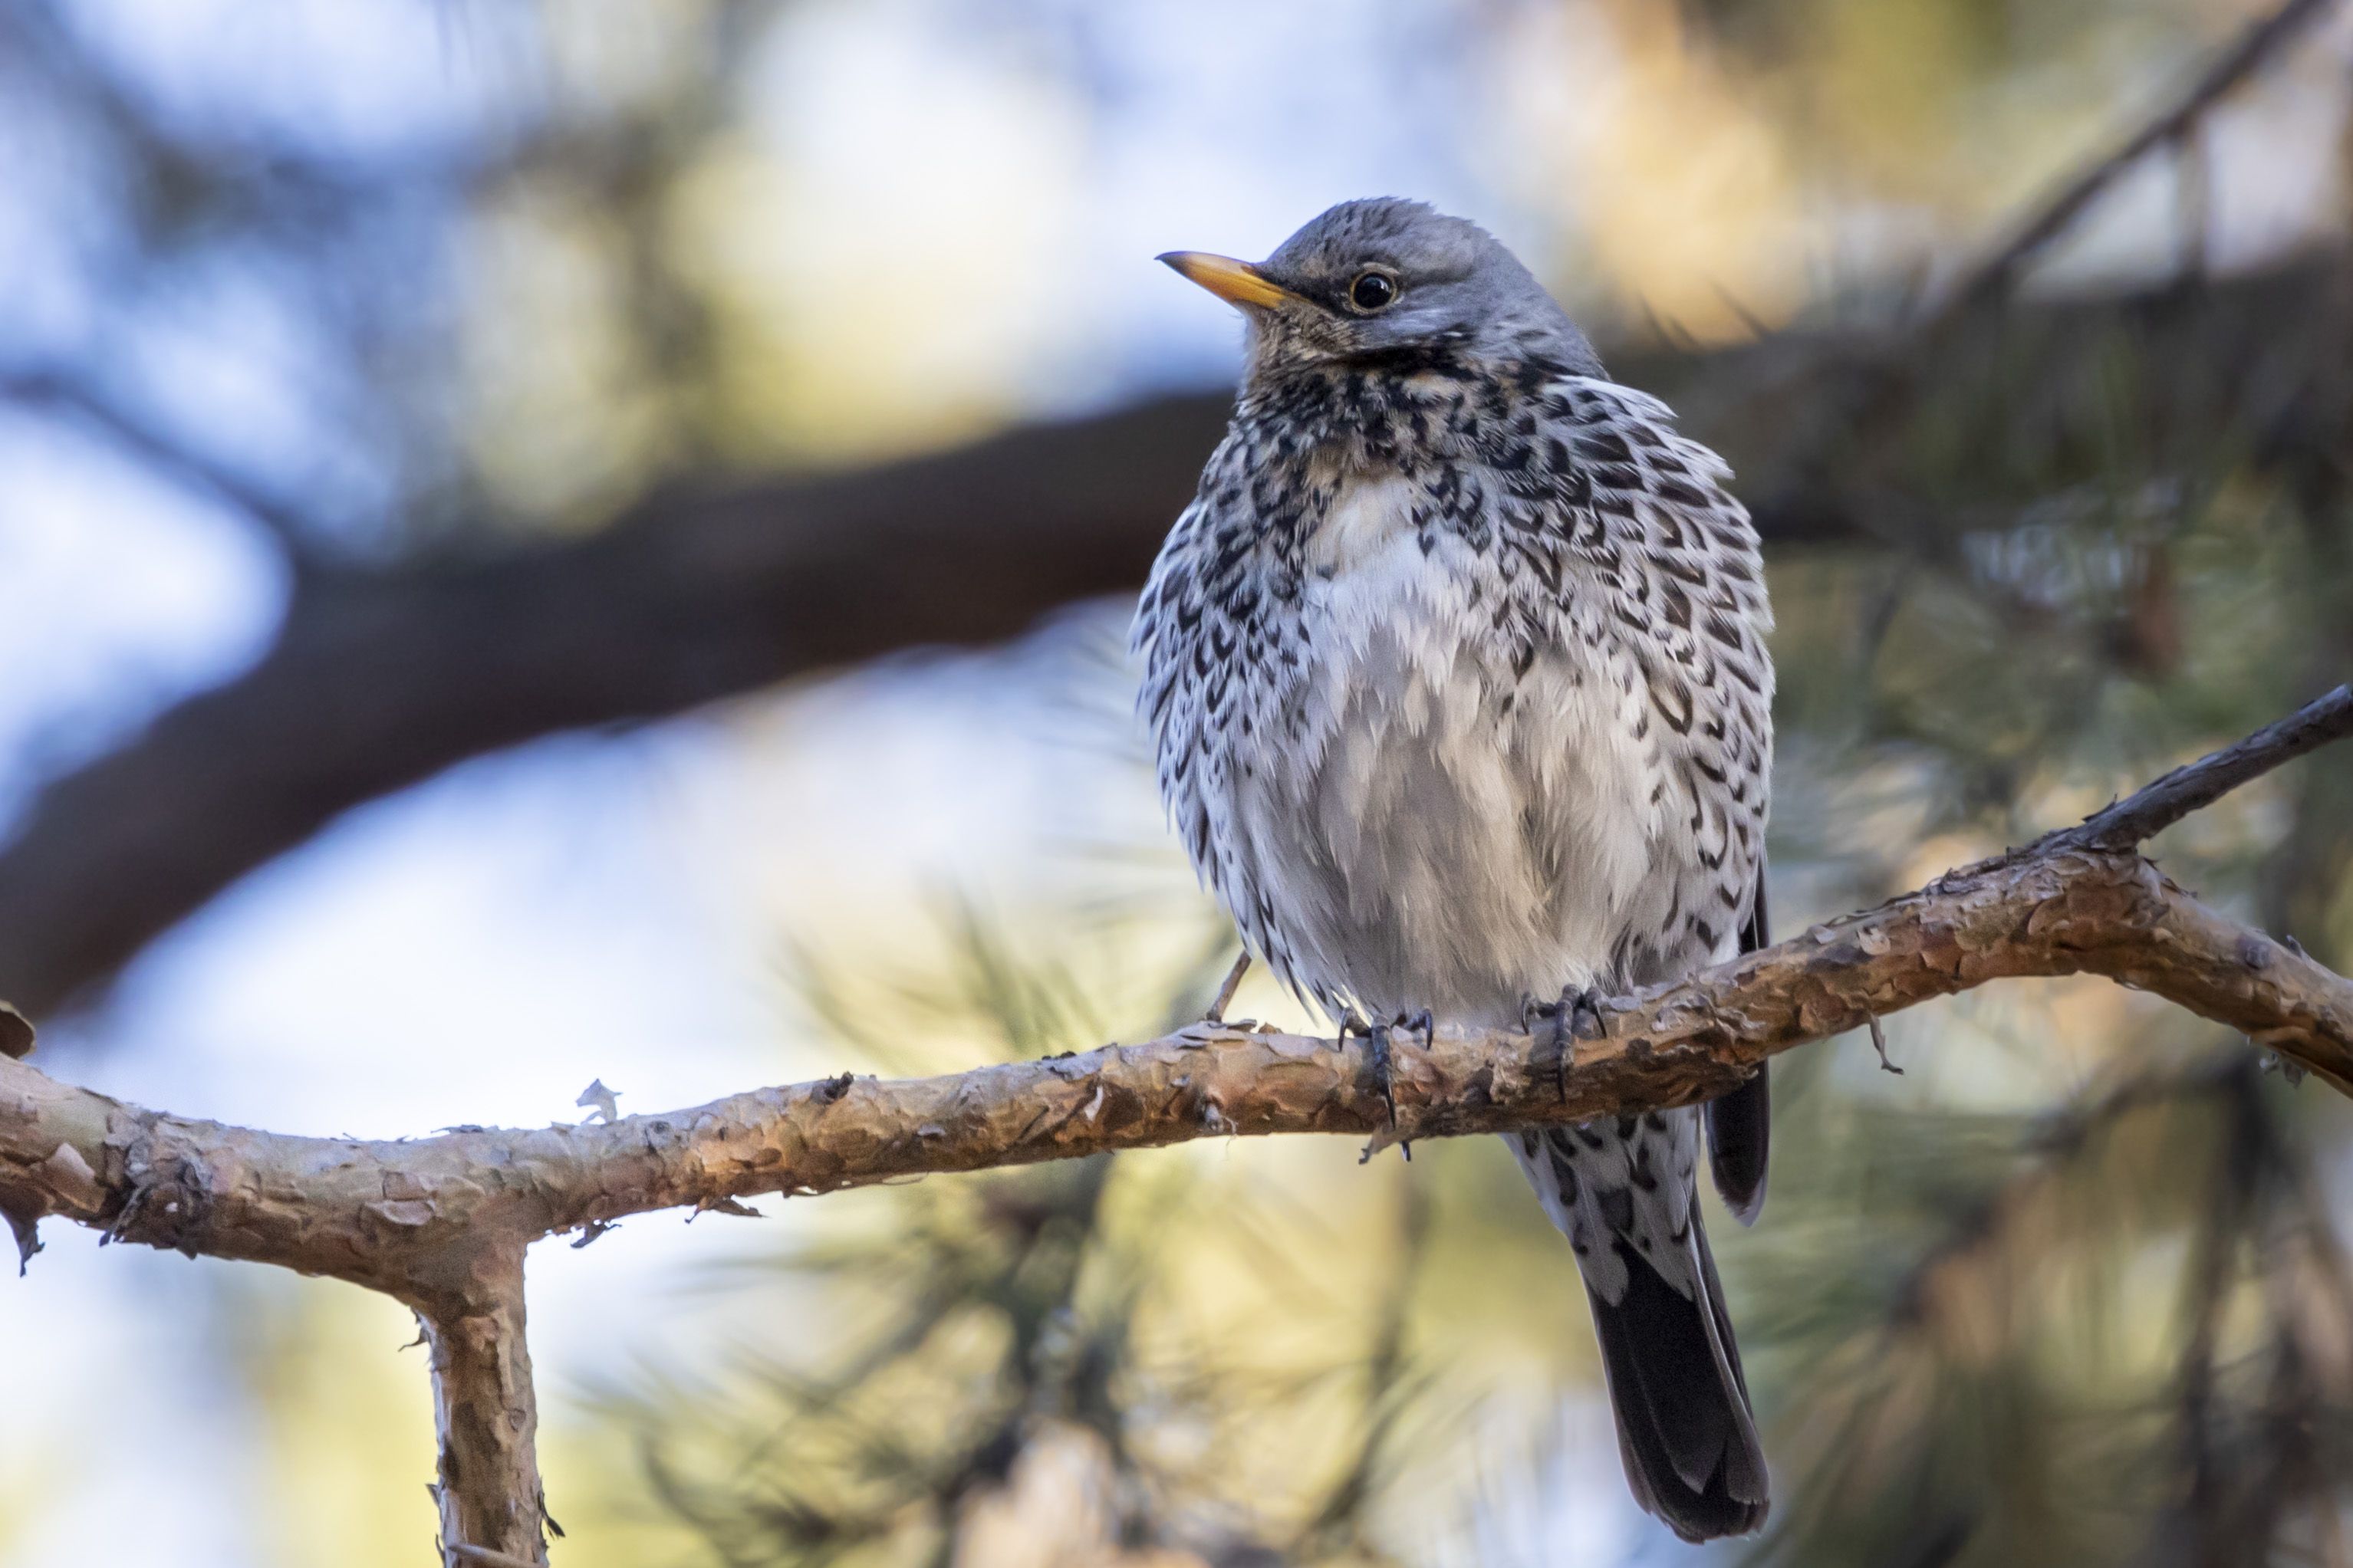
379,681
2172,127
53,393
442,1223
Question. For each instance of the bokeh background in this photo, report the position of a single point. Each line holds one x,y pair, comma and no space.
408,715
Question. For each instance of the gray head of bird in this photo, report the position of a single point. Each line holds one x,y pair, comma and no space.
1392,285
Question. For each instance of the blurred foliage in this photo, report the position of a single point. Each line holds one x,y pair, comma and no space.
620,243
1144,1359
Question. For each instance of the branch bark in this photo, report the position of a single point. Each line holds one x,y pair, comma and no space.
378,680
486,1414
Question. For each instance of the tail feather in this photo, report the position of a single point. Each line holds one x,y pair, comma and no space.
1684,1425
1624,1191
1739,1134
1740,1124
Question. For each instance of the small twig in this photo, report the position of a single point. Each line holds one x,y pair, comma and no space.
1225,996
1879,1043
607,1101
77,398
2184,790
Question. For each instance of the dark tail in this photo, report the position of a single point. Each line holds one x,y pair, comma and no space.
1740,1124
1683,1422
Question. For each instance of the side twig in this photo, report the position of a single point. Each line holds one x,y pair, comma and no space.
486,1414
2160,805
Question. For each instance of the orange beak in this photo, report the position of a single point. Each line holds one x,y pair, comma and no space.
1228,279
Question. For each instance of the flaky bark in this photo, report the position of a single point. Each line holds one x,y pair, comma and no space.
487,1482
442,1223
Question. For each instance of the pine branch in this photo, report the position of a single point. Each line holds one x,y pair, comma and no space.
442,1223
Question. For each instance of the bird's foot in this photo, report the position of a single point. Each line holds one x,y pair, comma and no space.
1378,1036
1581,1012
1575,1015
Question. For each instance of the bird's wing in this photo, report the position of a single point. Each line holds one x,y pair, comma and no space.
1652,530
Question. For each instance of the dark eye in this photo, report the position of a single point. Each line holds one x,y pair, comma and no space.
1373,291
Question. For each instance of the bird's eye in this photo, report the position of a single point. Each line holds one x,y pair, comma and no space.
1373,291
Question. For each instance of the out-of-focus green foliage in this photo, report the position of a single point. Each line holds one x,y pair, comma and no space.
1107,1359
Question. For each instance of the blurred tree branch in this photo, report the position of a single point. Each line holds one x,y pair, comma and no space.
442,1224
380,679
2172,127
76,398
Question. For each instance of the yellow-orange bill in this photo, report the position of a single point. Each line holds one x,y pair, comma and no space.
1226,277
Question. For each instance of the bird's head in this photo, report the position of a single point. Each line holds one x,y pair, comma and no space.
1390,283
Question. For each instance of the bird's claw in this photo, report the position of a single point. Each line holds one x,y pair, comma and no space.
1378,1036
1576,1016
1580,1010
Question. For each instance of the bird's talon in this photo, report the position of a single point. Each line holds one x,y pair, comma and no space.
1377,1035
1564,1045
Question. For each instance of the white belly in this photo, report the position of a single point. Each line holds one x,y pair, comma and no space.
1436,832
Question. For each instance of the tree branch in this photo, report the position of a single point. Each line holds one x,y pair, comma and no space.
486,1414
2160,805
420,1218
2223,75
378,1213
442,1223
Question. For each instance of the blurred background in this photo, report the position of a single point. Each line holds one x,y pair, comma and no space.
545,539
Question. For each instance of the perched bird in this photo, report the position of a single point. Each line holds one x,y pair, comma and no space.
1457,675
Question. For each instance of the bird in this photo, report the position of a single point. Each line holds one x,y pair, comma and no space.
1456,674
